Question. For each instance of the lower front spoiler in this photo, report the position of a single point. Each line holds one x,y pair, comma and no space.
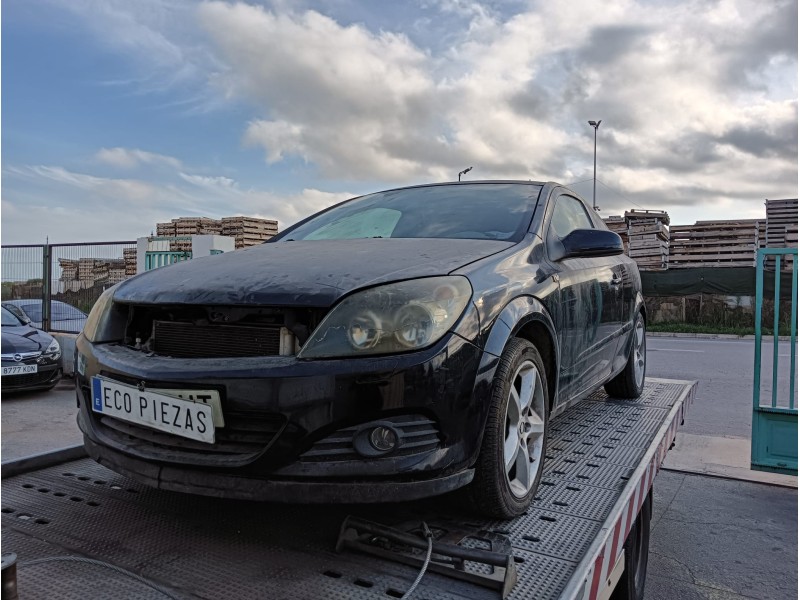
223,485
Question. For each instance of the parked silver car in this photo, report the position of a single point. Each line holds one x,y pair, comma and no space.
63,316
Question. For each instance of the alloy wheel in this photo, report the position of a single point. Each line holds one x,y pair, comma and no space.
524,438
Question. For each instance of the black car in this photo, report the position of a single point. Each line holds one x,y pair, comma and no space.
398,345
30,358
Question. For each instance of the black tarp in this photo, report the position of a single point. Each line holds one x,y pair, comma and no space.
733,281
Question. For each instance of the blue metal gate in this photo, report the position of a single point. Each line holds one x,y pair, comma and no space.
774,441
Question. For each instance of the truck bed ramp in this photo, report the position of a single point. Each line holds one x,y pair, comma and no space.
104,536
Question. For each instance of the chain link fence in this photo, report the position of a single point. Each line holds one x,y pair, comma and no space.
56,285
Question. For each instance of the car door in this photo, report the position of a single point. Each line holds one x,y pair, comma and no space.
590,302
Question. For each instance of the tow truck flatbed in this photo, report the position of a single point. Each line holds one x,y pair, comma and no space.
602,457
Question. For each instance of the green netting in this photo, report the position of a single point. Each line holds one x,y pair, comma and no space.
733,281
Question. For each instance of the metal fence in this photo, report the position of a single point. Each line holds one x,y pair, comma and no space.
56,285
774,439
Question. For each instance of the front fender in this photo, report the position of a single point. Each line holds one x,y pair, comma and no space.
516,314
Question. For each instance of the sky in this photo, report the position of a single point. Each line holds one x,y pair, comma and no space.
118,114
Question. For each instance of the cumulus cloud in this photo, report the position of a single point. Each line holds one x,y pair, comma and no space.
698,99
131,158
693,91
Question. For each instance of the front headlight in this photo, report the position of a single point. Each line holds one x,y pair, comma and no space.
105,324
53,350
397,317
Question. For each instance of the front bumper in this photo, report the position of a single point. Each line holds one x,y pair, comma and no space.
226,485
46,377
316,401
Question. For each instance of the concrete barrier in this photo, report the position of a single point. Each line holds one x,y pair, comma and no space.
67,343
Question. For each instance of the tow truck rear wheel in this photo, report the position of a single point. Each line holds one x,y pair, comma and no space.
630,382
637,550
511,459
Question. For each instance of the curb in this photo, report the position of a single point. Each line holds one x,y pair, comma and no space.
713,336
34,462
774,483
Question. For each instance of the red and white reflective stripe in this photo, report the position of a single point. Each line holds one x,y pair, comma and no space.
605,562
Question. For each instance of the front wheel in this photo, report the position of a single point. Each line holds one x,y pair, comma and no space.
630,382
510,463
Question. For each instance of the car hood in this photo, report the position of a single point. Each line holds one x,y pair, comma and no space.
301,273
23,339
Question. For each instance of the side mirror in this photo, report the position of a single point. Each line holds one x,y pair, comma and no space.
591,242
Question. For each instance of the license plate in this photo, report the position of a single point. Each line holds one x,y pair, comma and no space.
168,413
20,370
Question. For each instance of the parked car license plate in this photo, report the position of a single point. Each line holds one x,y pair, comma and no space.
178,416
20,370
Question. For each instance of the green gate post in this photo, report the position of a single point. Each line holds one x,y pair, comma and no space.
774,440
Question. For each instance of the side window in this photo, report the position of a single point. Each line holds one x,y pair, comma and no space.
568,214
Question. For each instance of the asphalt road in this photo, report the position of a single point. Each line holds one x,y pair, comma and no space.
34,422
724,370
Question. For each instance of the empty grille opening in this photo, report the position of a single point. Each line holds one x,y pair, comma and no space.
192,331
187,340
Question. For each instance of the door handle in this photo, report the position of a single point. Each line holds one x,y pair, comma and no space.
616,280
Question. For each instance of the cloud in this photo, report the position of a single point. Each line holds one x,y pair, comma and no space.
131,158
698,99
99,188
215,183
70,206
366,105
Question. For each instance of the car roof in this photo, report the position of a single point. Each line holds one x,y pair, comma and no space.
471,182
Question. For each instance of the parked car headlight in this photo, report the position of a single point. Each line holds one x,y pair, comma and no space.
106,321
53,350
397,317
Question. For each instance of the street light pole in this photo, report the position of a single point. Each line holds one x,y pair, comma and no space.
464,172
595,124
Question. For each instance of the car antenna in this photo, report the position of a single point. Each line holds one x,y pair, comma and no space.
464,172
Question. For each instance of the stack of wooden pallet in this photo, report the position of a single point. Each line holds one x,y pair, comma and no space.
116,270
165,229
648,238
69,269
619,226
782,223
782,227
714,244
762,233
129,256
248,231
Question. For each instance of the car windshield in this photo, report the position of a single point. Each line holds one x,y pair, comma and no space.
486,211
10,318
34,311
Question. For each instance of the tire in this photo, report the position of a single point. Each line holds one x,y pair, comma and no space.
637,549
515,435
629,383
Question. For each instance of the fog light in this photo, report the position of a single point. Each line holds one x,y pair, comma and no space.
383,439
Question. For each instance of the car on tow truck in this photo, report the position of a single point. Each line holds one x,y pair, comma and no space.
398,345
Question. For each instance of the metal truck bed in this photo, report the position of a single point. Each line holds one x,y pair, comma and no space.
603,455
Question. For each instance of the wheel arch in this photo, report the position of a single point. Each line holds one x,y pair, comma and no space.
527,318
640,306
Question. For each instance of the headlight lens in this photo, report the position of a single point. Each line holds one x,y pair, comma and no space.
53,349
391,318
105,324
